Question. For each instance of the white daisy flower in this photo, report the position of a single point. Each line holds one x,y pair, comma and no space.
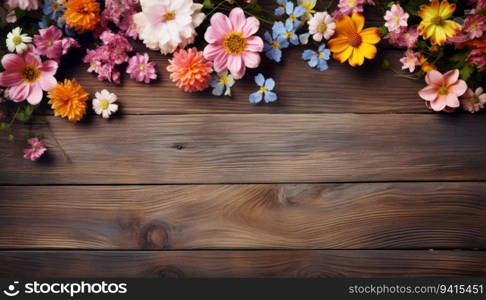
104,103
17,41
322,26
166,25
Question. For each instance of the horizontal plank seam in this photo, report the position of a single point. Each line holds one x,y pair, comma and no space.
244,183
238,249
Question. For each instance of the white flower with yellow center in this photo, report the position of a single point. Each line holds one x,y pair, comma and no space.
17,41
166,25
104,103
322,26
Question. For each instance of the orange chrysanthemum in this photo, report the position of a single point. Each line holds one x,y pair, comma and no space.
190,70
351,42
82,15
68,100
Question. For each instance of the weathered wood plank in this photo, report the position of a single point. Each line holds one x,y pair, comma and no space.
308,216
300,89
257,149
227,264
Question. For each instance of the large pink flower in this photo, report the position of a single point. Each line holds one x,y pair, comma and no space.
232,44
48,42
443,90
27,76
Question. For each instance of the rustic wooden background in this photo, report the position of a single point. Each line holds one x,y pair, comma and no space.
346,175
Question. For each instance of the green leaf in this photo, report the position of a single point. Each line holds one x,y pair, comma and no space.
4,126
208,4
466,71
383,30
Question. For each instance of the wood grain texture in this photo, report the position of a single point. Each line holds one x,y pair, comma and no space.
228,264
351,216
257,149
300,89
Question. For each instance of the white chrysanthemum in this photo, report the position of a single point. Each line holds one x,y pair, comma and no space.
17,41
322,26
166,25
104,103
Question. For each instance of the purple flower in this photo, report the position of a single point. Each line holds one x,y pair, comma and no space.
36,150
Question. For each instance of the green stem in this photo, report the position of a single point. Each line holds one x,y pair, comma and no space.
66,157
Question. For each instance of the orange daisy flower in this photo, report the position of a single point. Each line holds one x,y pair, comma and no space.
352,43
68,100
82,15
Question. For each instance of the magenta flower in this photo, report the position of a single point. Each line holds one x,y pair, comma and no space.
36,150
232,44
348,7
443,90
23,4
48,42
27,76
477,58
67,44
474,26
141,69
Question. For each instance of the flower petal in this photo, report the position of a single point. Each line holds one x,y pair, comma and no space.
343,56
12,62
369,51
238,19
345,26
235,64
438,104
35,95
370,35
356,59
47,82
9,79
251,59
434,77
211,51
251,27
254,44
20,92
428,93
458,88
338,44
452,100
221,26
451,77
358,21
49,67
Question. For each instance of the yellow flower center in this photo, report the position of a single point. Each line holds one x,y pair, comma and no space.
275,45
104,104
396,19
322,28
443,90
235,43
30,73
355,40
474,100
169,16
263,89
48,43
224,80
288,34
17,40
351,3
141,68
55,6
437,20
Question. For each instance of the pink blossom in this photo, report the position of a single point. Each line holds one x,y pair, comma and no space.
348,7
410,61
232,43
458,39
27,76
396,18
23,4
36,150
67,44
48,42
474,26
473,101
141,69
477,58
443,90
120,13
406,37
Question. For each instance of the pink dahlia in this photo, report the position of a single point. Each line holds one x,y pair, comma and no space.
190,70
232,44
36,150
410,60
27,76
396,18
141,69
48,42
473,101
477,58
474,26
443,90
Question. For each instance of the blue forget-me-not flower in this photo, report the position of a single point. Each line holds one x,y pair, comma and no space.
317,59
222,83
274,43
265,92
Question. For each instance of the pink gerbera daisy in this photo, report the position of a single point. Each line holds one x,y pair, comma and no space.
27,76
232,44
141,69
443,90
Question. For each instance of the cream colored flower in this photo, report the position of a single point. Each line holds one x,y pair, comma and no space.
104,103
17,41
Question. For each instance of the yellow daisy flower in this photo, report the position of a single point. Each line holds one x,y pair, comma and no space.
435,24
352,43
